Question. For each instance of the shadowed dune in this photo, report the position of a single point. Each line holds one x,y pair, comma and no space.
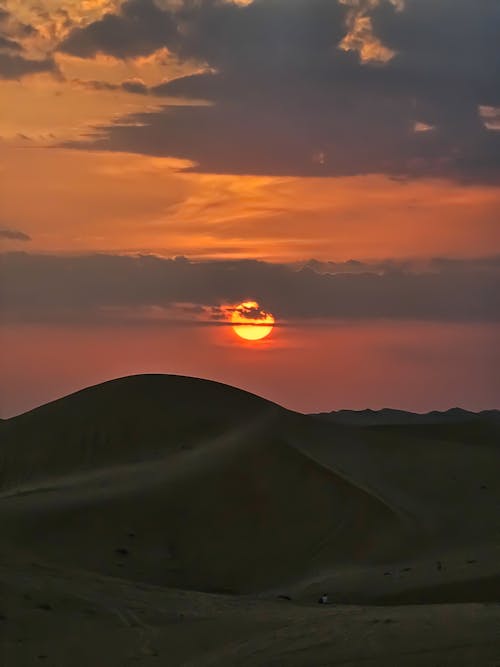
130,419
128,497
184,483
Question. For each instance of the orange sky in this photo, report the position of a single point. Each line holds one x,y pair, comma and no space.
64,198
76,201
411,365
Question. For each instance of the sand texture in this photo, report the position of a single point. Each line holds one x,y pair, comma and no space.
175,521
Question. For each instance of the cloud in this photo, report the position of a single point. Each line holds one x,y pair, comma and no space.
265,33
136,86
13,63
109,288
9,44
139,29
450,43
360,37
15,66
286,87
10,24
14,235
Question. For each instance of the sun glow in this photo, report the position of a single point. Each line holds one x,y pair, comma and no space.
250,322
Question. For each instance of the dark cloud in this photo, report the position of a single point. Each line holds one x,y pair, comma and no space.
263,34
14,235
139,29
15,66
97,85
286,100
207,86
136,86
286,136
413,266
106,287
9,44
450,46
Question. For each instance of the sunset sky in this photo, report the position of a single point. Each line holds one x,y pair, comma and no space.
335,161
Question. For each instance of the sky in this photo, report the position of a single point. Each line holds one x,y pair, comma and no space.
335,161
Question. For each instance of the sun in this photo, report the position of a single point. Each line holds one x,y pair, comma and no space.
250,322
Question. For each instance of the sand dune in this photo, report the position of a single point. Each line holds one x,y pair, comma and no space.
126,420
226,504
186,484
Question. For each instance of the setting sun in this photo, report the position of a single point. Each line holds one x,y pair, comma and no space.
250,322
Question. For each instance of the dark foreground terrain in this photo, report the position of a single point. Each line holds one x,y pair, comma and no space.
169,520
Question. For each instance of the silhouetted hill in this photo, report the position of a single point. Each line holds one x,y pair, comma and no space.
125,420
387,416
204,477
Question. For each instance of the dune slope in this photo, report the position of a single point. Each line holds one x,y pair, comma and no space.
130,510
182,483
126,420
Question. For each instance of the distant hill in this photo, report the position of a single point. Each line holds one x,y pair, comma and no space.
388,416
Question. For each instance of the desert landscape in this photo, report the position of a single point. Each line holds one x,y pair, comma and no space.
160,519
249,333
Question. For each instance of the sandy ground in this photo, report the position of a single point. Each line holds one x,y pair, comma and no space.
160,520
60,618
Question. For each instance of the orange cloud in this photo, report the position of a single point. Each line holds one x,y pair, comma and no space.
360,36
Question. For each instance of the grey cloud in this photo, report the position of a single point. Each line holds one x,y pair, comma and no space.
206,86
136,86
9,44
283,93
97,85
98,288
140,28
14,235
15,66
263,34
451,43
284,136
414,266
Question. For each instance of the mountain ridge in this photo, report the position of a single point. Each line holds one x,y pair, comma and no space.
389,416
